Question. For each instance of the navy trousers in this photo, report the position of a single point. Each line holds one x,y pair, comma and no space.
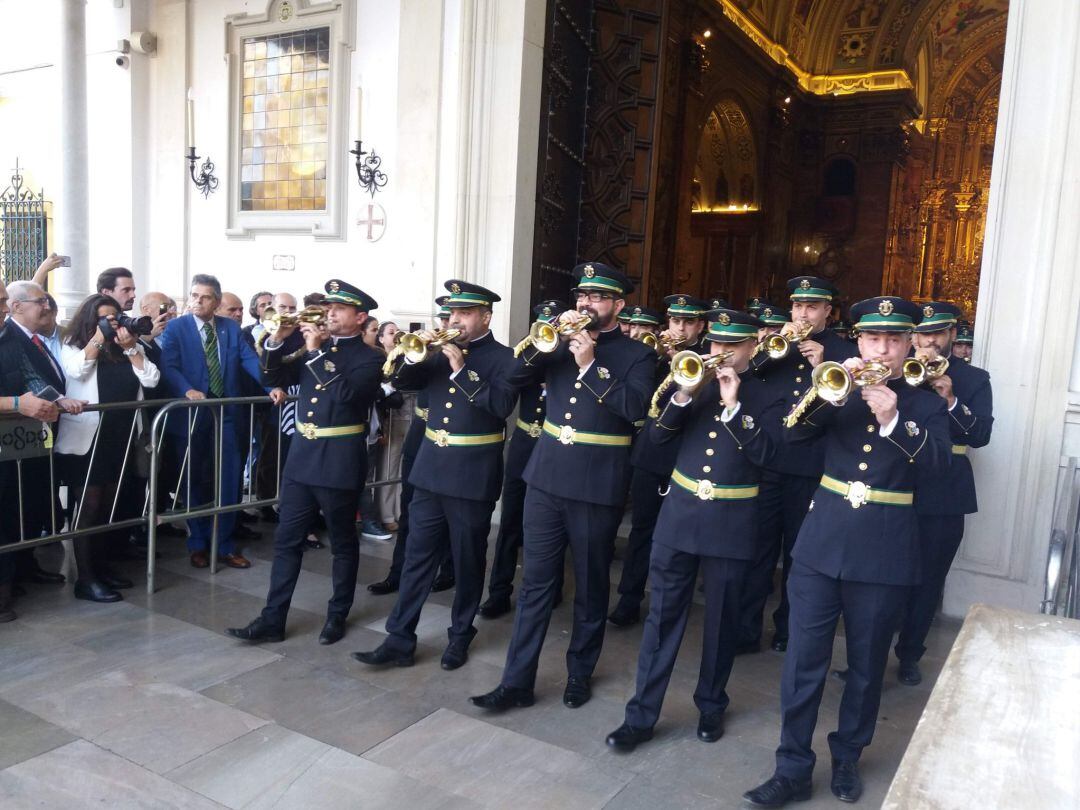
871,612
939,540
552,523
397,562
645,503
672,576
300,504
469,523
511,520
783,502
200,471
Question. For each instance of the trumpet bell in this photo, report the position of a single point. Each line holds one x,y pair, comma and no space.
777,346
544,337
413,348
687,369
832,382
649,339
915,372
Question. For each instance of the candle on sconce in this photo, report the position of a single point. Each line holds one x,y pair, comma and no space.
190,119
359,110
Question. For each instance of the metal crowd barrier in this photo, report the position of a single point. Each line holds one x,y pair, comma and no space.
1062,585
23,439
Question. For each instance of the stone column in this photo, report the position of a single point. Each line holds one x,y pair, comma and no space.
1028,301
73,208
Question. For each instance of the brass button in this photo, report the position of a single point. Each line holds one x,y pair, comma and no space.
446,420
802,366
568,416
311,413
712,434
318,387
709,452
869,428
573,400
706,468
716,418
577,385
314,400
863,465
449,404
333,348
867,448
796,393
539,410
798,379
453,390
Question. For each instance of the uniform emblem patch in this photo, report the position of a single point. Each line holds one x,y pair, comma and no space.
748,423
547,310
805,284
602,373
589,272
334,286
473,376
329,366
724,319
680,301
767,312
886,308
966,410
928,312
455,288
911,428
637,310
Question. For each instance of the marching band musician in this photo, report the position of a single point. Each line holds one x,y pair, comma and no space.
773,318
598,384
942,499
729,427
339,382
965,340
792,477
857,553
531,410
457,475
652,463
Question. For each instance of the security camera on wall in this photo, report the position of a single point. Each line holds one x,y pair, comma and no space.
122,61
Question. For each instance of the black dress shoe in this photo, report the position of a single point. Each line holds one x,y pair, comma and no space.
625,615
114,580
257,632
778,791
39,576
577,692
846,784
96,592
778,644
242,532
909,674
495,607
503,698
333,631
455,656
443,582
627,738
314,545
747,647
383,587
710,727
383,656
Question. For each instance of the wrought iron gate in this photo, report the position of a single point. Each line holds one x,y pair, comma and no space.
24,230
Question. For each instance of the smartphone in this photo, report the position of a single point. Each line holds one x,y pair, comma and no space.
162,309
65,261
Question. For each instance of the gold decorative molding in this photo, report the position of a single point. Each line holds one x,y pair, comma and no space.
825,84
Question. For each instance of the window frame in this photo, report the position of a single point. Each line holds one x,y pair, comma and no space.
285,17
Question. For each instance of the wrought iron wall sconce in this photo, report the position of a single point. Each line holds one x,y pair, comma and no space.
205,181
368,170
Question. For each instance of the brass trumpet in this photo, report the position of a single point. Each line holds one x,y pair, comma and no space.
544,336
662,344
273,320
833,383
778,345
688,370
415,348
917,372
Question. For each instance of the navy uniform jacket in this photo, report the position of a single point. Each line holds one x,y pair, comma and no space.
875,542
649,455
611,395
532,408
726,454
350,386
790,379
476,402
970,424
415,434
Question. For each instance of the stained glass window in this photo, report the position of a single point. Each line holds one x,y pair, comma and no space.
283,131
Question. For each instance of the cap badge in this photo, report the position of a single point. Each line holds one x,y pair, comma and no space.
928,312
716,303
588,272
637,310
805,284
334,286
680,301
886,307
546,310
455,288
767,312
724,319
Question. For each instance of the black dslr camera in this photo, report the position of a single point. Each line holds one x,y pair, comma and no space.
137,326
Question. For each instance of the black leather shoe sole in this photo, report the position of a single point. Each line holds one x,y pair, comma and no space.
771,795
625,743
516,701
332,633
576,698
383,588
373,660
710,732
99,593
241,634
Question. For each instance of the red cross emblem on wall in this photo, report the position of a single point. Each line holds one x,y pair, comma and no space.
373,221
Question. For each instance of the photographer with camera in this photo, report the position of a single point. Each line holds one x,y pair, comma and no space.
104,362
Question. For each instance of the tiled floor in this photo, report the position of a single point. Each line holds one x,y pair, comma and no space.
145,703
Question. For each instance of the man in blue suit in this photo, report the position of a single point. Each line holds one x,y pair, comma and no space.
202,358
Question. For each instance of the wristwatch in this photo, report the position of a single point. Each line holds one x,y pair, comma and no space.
97,345
134,350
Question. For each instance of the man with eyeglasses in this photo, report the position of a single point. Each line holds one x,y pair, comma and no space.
598,384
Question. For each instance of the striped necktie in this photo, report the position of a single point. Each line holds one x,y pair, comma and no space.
213,362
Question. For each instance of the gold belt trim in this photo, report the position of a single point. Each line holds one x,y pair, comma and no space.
708,491
443,439
959,449
857,493
567,435
532,428
309,431
421,412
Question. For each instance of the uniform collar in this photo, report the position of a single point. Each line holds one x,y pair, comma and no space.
485,338
611,334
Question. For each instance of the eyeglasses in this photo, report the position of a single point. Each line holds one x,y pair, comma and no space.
41,302
594,297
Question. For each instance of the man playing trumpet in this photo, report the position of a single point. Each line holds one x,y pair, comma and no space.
857,553
728,423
